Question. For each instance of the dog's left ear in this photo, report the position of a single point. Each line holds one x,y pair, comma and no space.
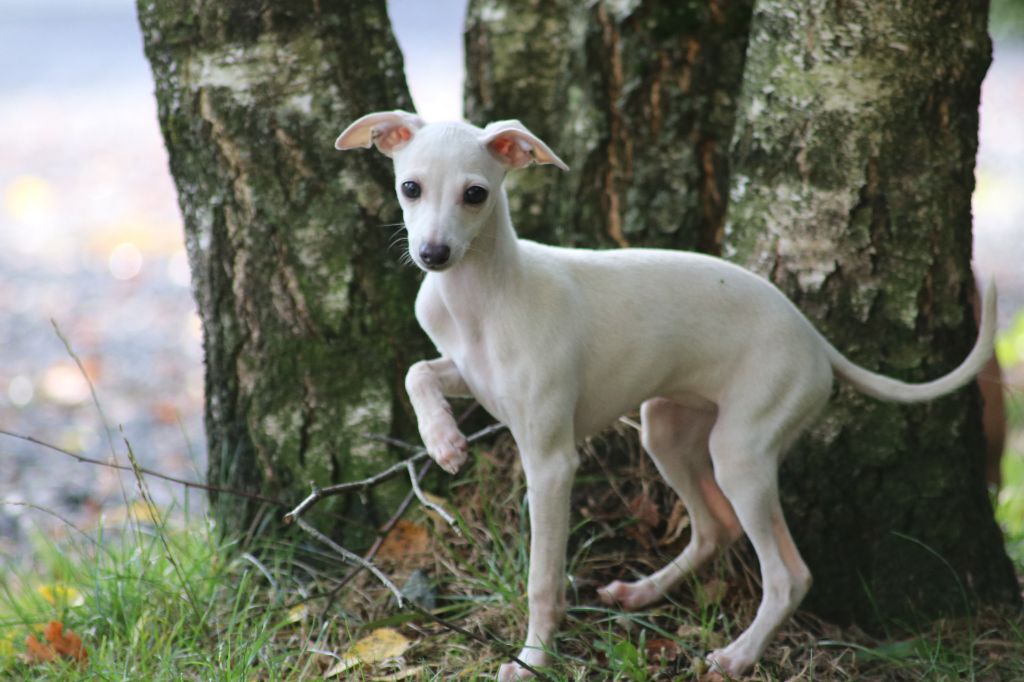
389,130
515,146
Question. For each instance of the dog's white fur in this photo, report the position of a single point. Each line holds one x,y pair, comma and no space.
557,343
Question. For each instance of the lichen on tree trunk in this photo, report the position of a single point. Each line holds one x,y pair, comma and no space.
638,98
852,177
306,315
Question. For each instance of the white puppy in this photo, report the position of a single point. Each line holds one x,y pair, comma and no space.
557,343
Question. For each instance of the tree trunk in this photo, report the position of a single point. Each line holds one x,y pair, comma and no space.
852,176
638,99
307,318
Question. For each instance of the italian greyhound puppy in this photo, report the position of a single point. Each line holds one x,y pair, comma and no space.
558,343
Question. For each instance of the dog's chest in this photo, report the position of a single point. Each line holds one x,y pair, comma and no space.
484,359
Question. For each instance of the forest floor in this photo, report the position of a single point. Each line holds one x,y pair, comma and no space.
156,596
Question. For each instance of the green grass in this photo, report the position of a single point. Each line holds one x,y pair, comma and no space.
170,602
140,616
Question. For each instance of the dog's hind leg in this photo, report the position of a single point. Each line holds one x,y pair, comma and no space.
676,438
746,467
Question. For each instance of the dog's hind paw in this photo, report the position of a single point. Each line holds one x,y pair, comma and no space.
629,596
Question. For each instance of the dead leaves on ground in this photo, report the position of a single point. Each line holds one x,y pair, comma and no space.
59,643
406,540
380,645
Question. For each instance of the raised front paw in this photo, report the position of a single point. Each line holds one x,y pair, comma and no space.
446,444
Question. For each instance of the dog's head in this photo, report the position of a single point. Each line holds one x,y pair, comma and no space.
447,175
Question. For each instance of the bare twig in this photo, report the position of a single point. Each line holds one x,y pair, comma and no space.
352,558
391,440
144,470
365,562
350,486
405,602
161,530
441,511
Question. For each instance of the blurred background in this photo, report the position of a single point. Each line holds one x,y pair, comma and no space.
91,243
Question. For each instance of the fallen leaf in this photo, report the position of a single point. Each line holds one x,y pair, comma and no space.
37,652
379,645
59,642
400,675
406,539
58,593
297,613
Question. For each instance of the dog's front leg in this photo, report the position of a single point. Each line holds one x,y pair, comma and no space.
550,467
427,383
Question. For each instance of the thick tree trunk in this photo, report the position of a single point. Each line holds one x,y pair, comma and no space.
637,98
306,317
851,190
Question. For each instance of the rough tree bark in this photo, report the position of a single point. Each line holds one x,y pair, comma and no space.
306,317
638,98
852,177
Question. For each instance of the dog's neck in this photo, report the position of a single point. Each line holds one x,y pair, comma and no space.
490,266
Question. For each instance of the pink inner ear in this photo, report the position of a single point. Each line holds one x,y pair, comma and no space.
502,146
515,154
390,138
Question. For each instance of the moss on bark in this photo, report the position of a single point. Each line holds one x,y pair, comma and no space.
307,317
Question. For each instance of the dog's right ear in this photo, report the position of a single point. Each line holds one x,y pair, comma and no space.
389,130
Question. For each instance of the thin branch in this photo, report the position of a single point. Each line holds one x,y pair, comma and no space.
441,511
351,486
161,530
494,642
405,602
391,440
144,470
352,558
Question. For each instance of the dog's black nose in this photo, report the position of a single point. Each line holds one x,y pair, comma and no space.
433,255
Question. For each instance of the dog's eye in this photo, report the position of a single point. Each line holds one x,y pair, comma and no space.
475,195
411,189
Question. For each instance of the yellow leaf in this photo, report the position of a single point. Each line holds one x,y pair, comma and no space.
400,675
297,613
379,645
58,593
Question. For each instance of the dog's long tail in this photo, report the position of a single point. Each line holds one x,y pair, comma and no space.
884,388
